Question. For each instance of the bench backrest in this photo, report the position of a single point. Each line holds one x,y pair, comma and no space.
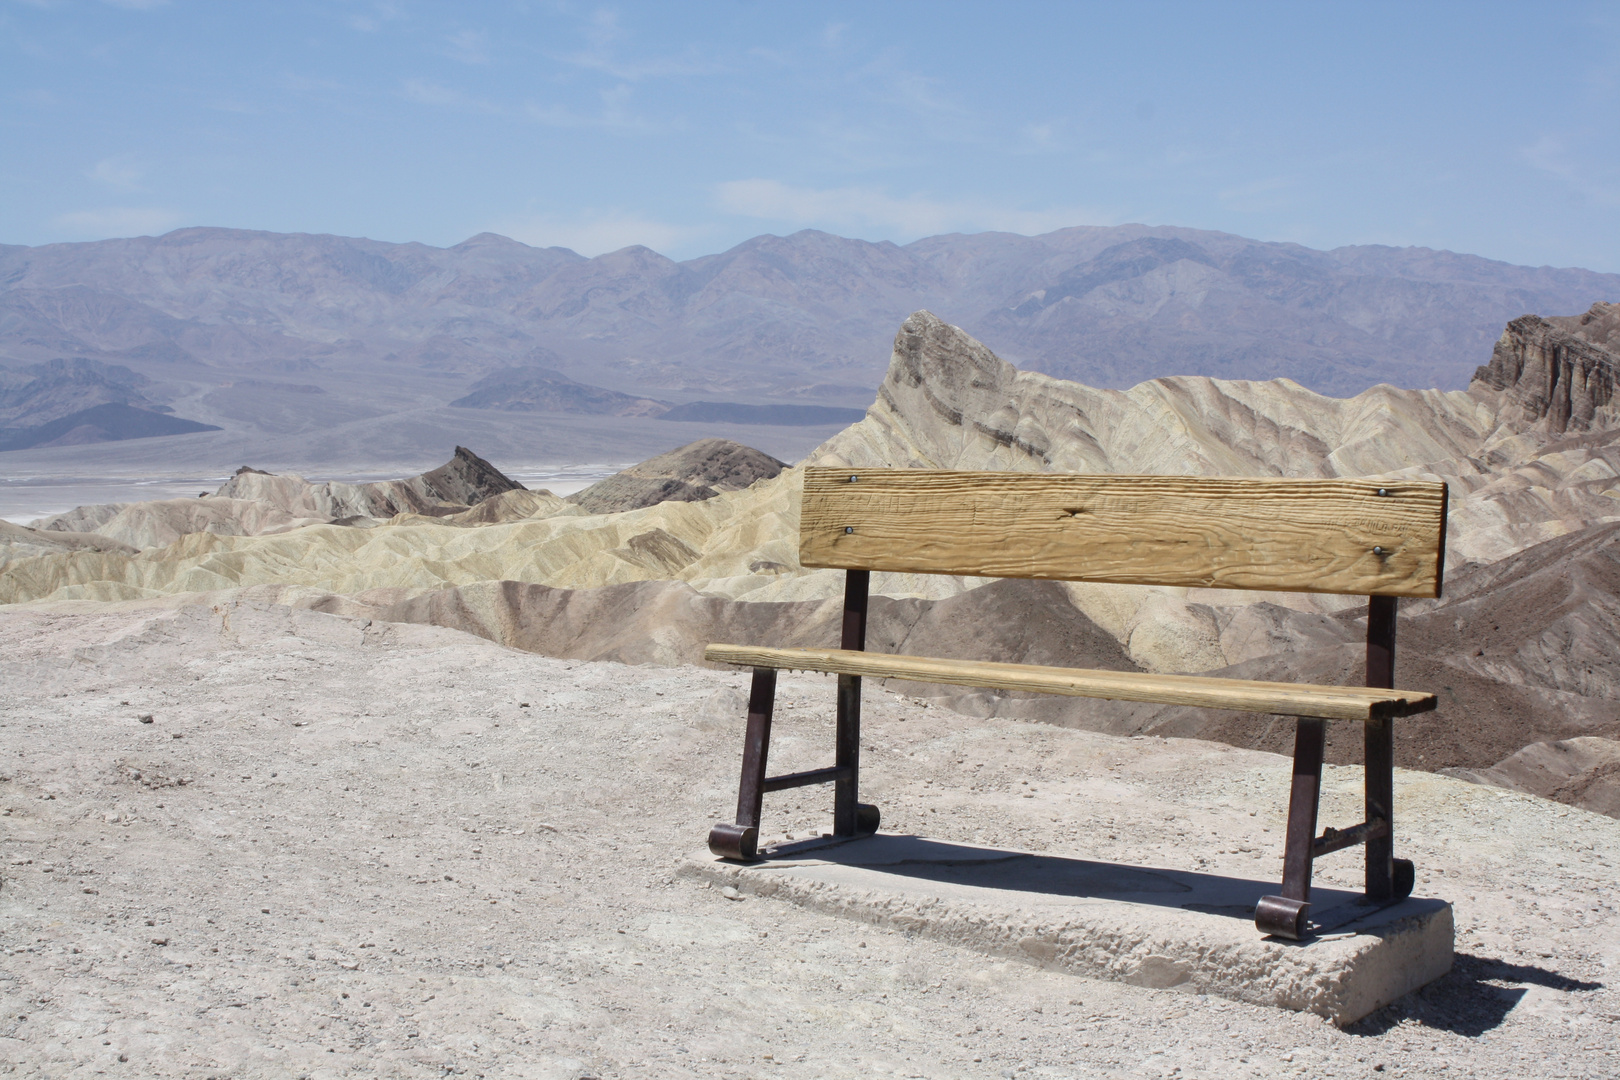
1363,537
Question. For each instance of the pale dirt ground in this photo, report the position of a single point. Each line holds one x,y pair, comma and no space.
348,849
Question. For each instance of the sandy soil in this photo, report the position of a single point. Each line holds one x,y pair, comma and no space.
351,849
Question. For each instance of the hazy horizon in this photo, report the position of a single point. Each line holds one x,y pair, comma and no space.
689,130
757,236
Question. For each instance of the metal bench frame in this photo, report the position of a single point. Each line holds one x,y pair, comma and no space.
1286,914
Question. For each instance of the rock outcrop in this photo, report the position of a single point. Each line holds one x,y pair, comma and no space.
1600,324
696,471
1555,377
466,480
949,402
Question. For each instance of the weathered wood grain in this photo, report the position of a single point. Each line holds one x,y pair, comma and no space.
1332,536
1293,699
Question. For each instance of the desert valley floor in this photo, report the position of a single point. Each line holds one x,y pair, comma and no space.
354,848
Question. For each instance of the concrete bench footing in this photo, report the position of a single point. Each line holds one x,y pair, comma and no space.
1145,926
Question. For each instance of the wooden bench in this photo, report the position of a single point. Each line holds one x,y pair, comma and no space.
1380,539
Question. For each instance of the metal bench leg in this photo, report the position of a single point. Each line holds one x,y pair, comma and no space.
851,817
1285,915
741,840
1388,878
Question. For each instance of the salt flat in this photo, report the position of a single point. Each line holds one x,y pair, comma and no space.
343,848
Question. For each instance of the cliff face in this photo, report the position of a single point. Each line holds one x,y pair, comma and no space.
1556,374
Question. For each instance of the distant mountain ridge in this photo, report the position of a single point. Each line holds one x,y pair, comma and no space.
777,315
395,334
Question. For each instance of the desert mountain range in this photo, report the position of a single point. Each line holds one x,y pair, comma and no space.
1522,647
322,350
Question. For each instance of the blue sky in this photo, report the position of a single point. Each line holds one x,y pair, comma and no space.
688,127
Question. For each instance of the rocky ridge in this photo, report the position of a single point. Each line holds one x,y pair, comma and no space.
1531,551
257,503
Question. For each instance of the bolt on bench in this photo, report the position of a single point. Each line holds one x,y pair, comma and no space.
1380,539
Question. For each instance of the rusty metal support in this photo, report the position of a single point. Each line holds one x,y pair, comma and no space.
1338,839
850,817
1285,915
741,840
1380,754
805,779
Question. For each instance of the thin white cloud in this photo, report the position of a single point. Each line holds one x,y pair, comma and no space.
380,12
858,208
1549,156
424,92
470,47
636,70
603,32
122,172
310,84
613,116
596,233
1265,195
1552,155
119,221
1040,136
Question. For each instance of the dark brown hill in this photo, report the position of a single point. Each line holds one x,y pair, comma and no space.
39,393
466,479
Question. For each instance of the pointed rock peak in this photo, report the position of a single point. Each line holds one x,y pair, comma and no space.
467,479
930,350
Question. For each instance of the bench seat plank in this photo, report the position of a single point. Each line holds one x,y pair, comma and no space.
1293,699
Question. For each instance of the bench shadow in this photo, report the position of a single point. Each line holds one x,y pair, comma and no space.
1464,1001
963,865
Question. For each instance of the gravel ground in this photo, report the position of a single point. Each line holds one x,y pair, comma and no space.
248,841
